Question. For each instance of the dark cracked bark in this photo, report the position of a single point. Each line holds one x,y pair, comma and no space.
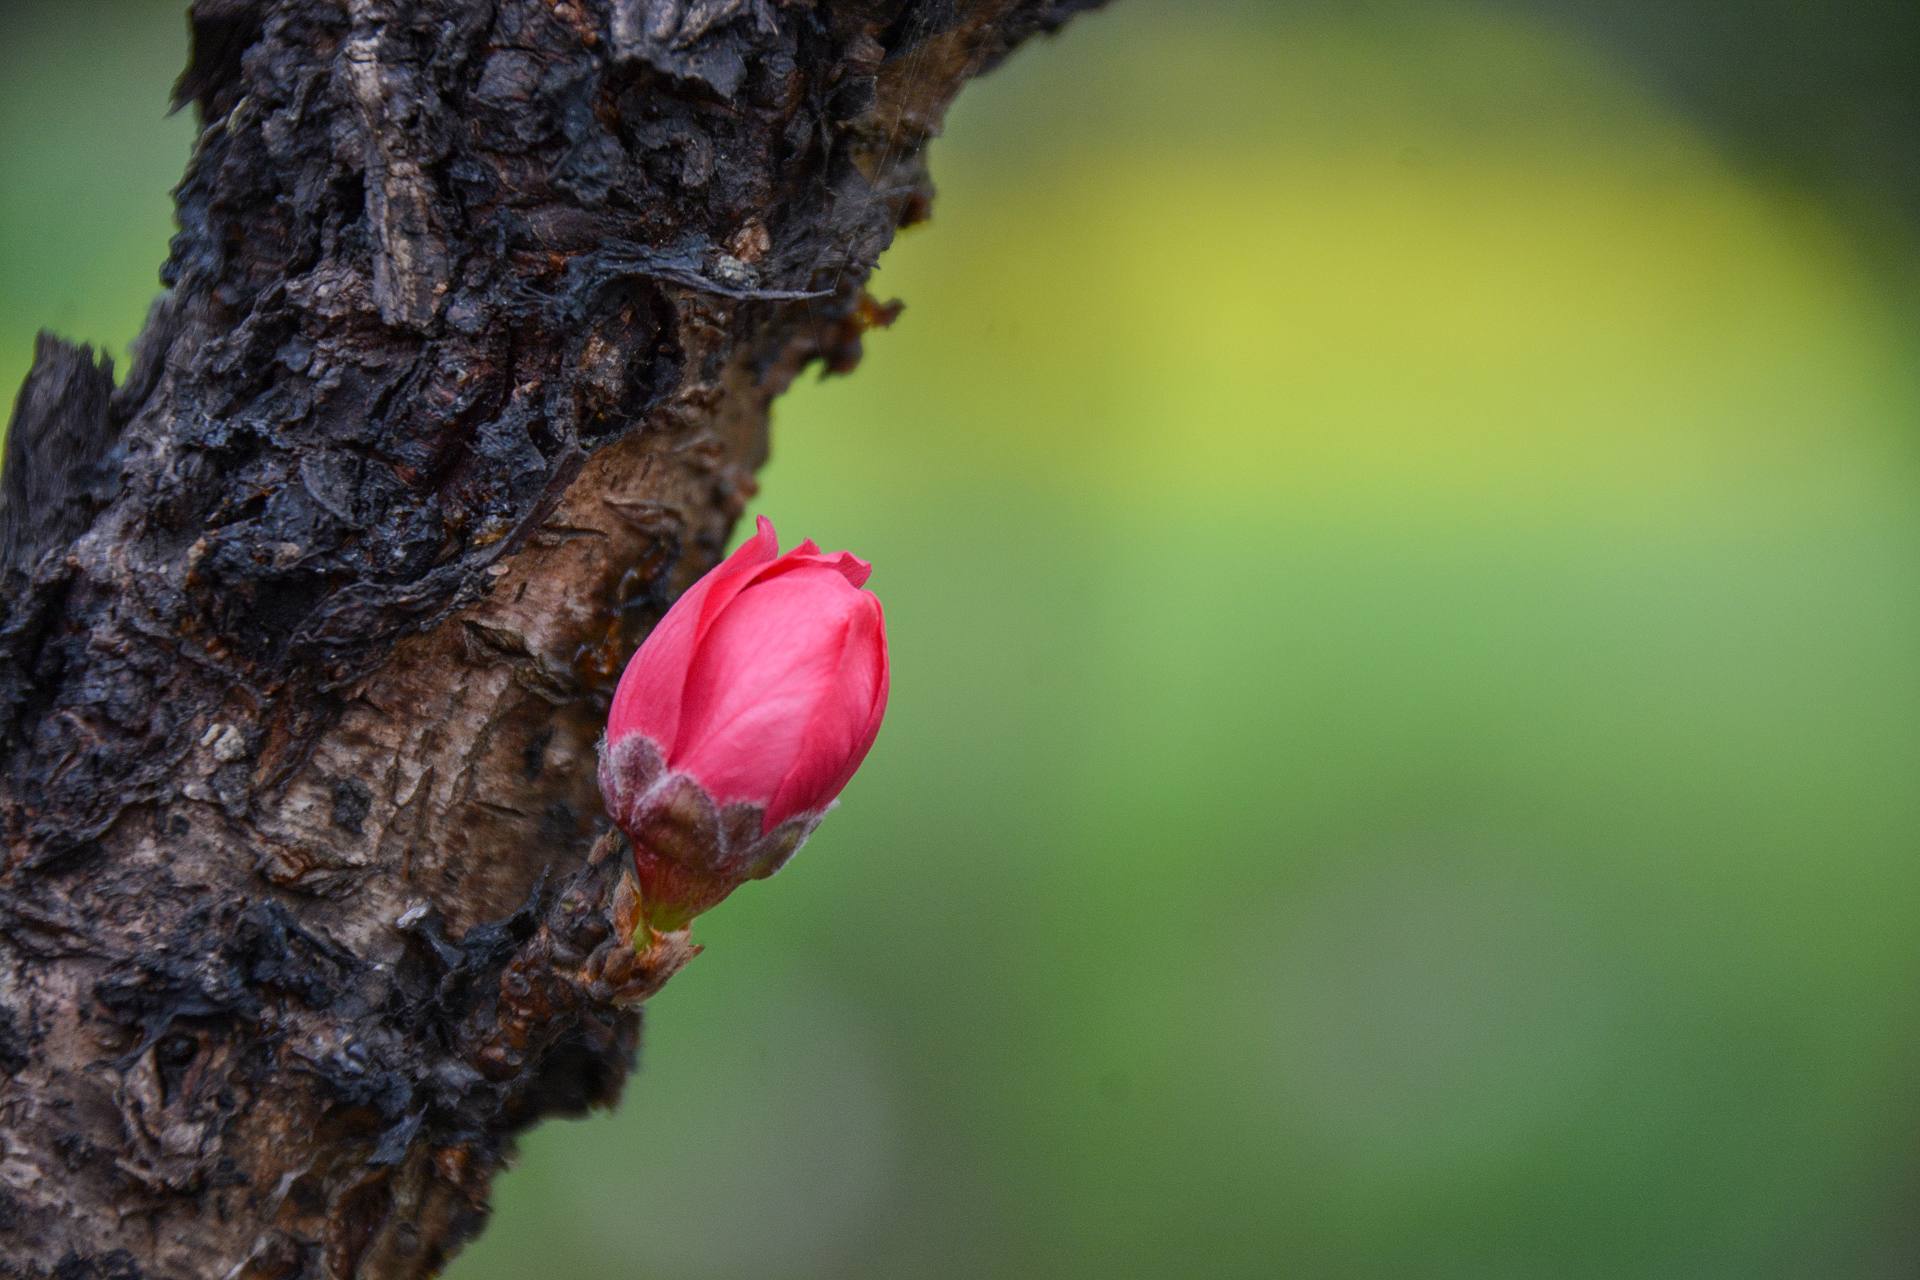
473,321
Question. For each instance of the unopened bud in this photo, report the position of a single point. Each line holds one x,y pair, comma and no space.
740,719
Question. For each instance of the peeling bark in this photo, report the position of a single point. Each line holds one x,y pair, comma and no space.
473,321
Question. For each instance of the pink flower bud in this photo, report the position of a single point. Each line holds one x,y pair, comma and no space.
740,719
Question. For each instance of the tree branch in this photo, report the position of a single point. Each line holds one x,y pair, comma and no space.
473,321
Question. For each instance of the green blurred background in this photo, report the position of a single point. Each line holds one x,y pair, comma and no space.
1401,531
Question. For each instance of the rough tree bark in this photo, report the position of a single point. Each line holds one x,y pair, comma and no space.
473,321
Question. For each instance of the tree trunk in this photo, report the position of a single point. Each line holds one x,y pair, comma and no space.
474,318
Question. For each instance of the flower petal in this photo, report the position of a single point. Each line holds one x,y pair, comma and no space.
757,679
843,727
648,697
